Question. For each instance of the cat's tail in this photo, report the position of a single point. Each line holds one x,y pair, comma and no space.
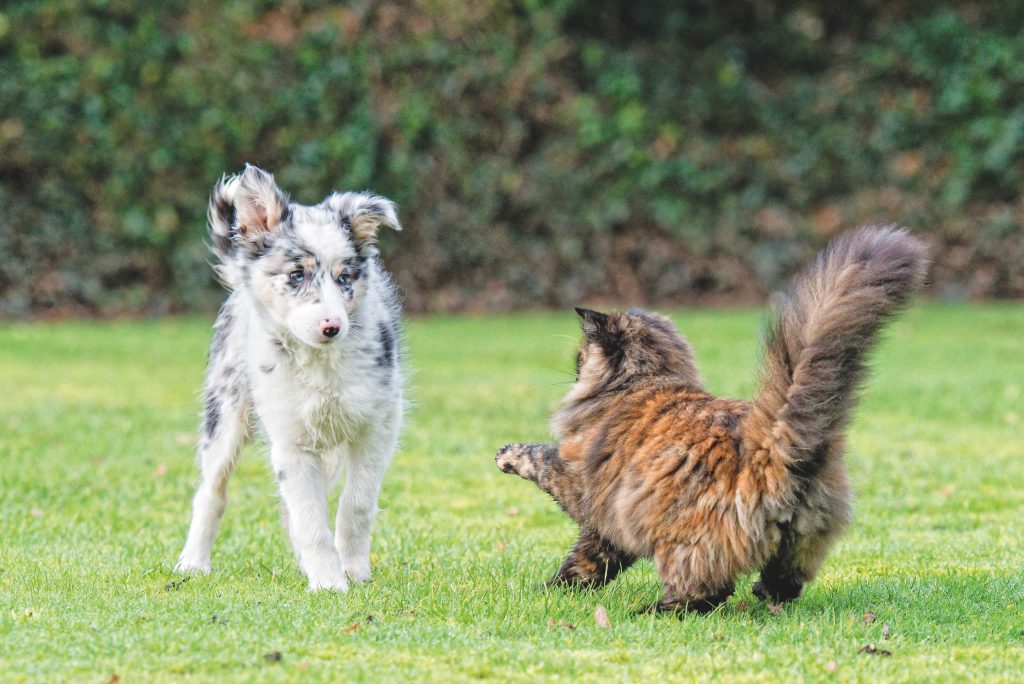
815,347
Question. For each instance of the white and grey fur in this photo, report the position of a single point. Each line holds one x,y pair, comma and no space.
306,349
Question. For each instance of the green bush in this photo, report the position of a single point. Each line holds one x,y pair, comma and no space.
541,152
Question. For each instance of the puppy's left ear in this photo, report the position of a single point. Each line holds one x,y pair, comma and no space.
260,206
364,214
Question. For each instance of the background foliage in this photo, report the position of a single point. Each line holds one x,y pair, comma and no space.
542,152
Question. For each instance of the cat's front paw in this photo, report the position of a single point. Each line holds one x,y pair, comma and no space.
513,458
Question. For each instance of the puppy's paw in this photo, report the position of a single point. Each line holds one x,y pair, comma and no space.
328,583
514,458
192,566
357,570
324,571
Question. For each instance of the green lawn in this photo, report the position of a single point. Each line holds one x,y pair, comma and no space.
96,445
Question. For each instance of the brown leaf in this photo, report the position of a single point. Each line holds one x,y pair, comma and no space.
272,657
563,624
869,617
114,678
601,617
353,628
870,649
742,606
775,608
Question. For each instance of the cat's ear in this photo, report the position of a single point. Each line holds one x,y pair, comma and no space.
260,206
592,322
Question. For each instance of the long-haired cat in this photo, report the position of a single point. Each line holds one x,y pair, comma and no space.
651,465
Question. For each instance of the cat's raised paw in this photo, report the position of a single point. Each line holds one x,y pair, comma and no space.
510,457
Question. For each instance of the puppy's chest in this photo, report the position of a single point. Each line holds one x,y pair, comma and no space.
330,404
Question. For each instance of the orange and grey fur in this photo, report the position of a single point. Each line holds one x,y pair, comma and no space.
651,465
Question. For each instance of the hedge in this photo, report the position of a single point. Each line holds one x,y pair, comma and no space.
542,153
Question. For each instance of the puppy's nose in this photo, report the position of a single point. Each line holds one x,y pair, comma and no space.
330,327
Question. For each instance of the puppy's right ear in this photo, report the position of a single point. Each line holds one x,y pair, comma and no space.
260,206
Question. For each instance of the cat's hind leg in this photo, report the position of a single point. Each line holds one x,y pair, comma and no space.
592,562
692,581
806,539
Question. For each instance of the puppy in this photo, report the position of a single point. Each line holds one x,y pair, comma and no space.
306,347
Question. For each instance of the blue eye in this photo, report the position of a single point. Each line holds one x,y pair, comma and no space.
344,279
296,277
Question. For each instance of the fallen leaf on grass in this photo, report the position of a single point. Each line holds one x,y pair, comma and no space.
501,546
565,625
272,657
114,678
601,617
161,470
869,617
871,649
775,608
742,606
353,628
511,511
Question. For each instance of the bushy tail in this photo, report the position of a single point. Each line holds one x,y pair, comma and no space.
815,347
220,219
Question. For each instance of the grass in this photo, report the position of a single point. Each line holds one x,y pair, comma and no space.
96,430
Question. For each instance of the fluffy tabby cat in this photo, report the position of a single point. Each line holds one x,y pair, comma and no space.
651,465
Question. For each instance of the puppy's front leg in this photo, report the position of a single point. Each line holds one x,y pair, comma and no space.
357,507
304,490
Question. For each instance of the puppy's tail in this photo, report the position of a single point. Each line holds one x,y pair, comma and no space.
220,219
815,347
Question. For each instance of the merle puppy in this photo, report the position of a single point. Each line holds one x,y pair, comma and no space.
305,348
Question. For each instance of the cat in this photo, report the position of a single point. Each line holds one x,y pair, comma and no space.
651,465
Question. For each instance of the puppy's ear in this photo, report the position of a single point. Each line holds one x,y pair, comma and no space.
364,214
260,206
592,322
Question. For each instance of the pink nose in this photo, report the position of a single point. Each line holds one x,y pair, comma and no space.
330,327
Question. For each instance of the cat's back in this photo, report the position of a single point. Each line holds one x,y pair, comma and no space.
657,451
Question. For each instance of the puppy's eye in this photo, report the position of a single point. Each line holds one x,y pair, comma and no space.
296,277
344,279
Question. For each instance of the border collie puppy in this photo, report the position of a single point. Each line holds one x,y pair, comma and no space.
305,348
